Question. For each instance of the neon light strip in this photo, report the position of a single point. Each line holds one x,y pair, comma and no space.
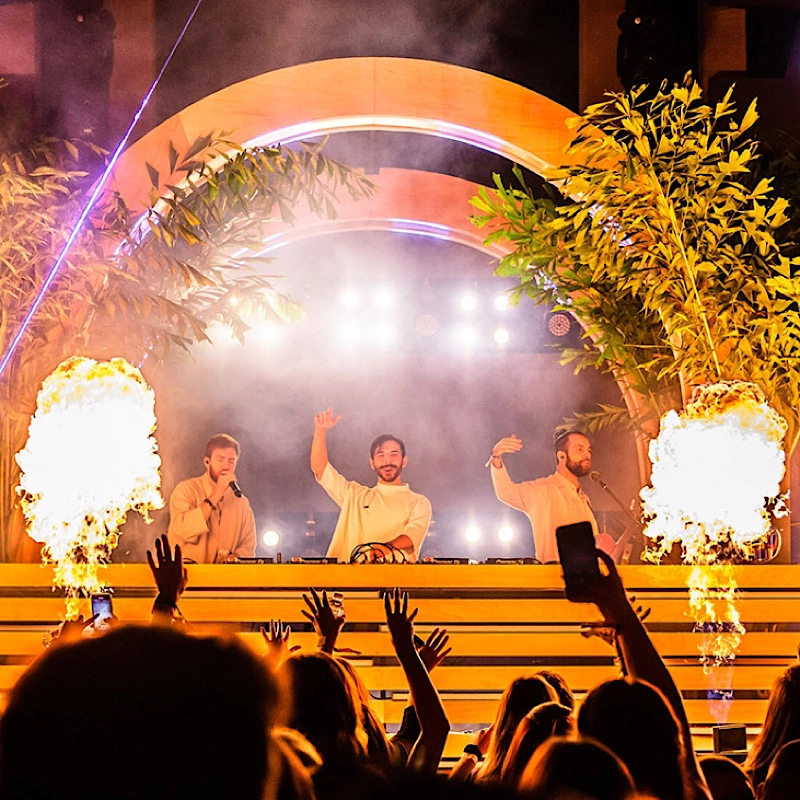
39,299
388,122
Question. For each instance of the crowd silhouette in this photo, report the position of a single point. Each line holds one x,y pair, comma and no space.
158,712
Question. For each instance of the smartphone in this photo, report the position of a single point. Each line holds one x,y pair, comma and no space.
576,551
101,606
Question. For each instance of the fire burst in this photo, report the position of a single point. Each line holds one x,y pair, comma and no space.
89,459
716,476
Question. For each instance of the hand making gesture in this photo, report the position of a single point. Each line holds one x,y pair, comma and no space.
433,651
326,419
398,620
169,573
510,444
326,619
277,642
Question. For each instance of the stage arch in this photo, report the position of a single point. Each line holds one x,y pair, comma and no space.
381,94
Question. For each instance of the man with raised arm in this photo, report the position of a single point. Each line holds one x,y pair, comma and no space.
552,501
208,515
387,513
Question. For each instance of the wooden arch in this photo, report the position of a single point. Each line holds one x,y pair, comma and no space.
373,93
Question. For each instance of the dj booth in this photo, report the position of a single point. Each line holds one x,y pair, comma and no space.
504,620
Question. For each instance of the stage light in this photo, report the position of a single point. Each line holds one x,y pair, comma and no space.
385,335
426,325
467,336
384,299
270,538
505,533
268,333
502,303
472,533
560,323
349,299
234,301
501,336
349,335
468,302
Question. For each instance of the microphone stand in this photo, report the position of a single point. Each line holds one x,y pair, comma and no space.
597,478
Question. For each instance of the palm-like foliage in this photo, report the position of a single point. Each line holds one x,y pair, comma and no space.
664,247
140,288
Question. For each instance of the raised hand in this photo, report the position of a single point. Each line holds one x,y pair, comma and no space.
168,571
510,444
277,642
70,630
608,593
433,651
399,621
326,419
326,619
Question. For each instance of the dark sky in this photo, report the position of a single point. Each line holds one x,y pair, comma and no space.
530,42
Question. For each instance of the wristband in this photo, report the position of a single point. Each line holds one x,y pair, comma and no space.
473,750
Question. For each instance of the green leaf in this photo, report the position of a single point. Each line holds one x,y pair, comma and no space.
153,173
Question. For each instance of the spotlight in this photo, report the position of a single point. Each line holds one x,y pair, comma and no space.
559,324
234,301
385,335
349,335
426,325
268,333
467,336
383,298
505,533
270,538
468,302
472,533
501,336
349,299
502,303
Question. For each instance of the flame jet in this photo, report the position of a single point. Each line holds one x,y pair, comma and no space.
89,459
715,483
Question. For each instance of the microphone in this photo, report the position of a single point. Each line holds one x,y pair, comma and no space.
235,488
595,476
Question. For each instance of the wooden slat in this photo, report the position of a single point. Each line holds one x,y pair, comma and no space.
580,678
512,644
481,711
467,577
495,678
255,608
542,643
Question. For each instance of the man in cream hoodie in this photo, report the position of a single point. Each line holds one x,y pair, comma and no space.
387,513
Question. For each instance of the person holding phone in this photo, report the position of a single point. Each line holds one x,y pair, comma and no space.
388,513
549,502
209,517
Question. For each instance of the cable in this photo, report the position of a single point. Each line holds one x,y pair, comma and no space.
37,301
378,553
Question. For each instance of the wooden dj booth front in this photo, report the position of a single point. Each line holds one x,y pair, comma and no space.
504,621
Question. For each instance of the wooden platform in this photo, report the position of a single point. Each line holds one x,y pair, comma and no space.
504,621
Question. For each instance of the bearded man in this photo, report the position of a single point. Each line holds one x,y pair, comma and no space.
209,517
552,501
387,513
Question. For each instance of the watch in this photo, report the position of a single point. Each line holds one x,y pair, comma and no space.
473,750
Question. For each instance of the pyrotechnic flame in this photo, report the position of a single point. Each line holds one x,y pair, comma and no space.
89,459
716,476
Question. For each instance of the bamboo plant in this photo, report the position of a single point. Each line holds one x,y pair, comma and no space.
139,288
